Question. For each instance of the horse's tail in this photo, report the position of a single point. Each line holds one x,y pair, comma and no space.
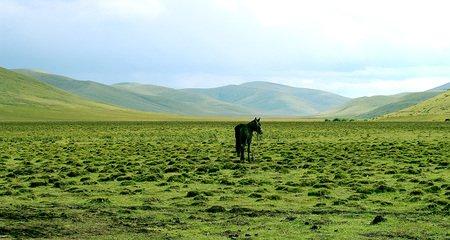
236,136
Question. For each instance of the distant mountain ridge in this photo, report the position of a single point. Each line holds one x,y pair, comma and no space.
275,99
120,95
254,98
183,102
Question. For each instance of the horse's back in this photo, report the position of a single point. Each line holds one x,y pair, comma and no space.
238,127
242,133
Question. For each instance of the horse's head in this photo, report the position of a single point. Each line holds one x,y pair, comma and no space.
256,125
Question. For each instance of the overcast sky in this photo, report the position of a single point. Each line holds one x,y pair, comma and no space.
350,47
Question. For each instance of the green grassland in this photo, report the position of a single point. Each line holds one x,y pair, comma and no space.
182,180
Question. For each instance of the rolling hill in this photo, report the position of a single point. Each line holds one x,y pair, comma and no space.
275,99
433,109
371,107
148,98
255,98
183,102
23,98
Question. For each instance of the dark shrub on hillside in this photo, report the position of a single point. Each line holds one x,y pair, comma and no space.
216,209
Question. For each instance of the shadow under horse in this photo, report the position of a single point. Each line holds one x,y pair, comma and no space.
243,134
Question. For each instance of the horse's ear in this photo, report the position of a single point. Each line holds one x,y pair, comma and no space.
259,119
255,118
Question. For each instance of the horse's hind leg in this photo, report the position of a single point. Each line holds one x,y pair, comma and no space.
242,152
238,148
238,143
248,152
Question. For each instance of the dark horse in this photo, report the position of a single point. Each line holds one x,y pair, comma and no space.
243,134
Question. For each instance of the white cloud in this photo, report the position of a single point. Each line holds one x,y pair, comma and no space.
200,44
355,24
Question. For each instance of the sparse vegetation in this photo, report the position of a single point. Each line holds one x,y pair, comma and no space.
182,180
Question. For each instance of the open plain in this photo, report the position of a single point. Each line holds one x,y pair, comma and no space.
183,180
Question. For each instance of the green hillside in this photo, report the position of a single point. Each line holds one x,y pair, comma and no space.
148,98
184,102
275,99
402,102
24,98
371,107
255,98
95,91
359,106
433,109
